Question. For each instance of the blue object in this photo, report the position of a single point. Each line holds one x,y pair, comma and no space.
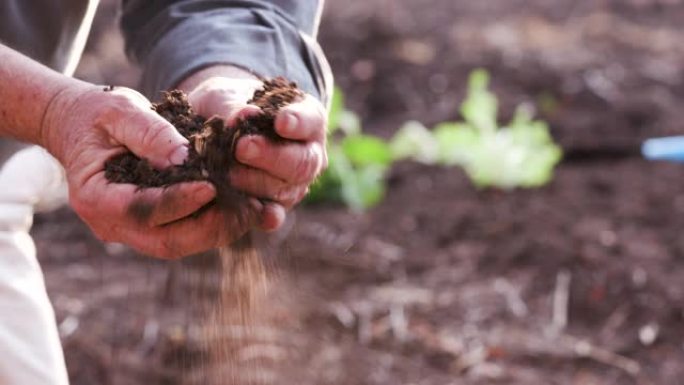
668,148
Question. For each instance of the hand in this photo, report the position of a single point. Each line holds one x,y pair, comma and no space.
278,174
84,127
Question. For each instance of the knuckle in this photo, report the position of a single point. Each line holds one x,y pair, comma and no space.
283,194
305,168
151,133
290,202
118,105
119,100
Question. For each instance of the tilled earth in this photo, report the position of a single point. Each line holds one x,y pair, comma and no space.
441,283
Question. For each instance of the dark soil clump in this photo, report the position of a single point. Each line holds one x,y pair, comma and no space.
271,98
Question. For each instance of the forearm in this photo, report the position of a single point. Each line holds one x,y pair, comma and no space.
26,89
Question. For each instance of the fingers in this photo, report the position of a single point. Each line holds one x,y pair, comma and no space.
158,221
160,206
150,206
153,138
294,162
281,172
182,238
273,217
303,121
144,132
259,184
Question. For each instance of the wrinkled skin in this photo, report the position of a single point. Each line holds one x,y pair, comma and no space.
84,127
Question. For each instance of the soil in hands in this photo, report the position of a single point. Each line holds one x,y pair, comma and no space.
212,142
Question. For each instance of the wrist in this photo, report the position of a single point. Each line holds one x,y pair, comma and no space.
195,79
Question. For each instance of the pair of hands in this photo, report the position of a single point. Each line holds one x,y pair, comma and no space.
85,126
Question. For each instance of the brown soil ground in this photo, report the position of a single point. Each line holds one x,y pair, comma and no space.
440,284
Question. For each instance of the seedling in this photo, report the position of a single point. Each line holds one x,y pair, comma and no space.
521,154
357,162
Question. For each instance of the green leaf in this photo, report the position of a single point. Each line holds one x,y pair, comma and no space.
363,150
339,118
357,163
360,188
365,187
523,116
505,161
349,123
520,155
455,142
480,106
328,186
414,141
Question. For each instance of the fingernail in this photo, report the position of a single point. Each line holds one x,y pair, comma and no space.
179,155
291,123
251,151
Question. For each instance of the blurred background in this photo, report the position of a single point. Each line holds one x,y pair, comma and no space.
577,282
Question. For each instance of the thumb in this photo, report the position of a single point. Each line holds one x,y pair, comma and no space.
156,140
149,136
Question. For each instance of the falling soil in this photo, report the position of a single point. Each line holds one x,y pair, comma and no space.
211,155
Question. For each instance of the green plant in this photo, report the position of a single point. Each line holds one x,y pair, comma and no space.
357,162
521,154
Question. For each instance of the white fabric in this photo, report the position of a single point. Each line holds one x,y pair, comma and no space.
30,350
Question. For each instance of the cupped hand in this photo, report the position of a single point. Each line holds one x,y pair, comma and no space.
279,174
85,126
